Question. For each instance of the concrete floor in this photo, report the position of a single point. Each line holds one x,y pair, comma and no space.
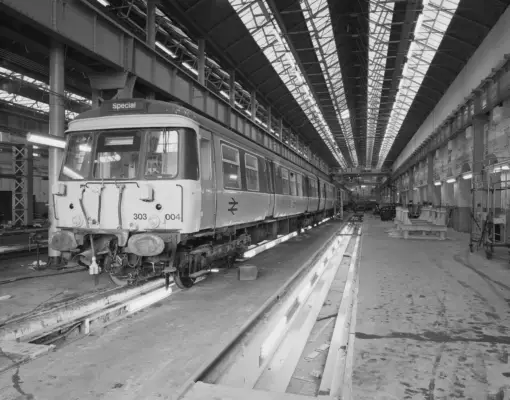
150,355
43,288
433,322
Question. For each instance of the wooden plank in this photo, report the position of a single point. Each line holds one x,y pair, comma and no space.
207,391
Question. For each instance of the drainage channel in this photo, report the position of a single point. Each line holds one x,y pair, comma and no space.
298,347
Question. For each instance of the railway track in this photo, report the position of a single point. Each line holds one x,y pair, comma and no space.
46,328
298,345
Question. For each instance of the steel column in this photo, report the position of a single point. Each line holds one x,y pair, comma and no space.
29,185
232,87
201,61
253,105
150,31
19,194
150,28
57,126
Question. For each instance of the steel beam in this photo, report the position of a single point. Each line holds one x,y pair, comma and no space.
85,27
57,126
150,27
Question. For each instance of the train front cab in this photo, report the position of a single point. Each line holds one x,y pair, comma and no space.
126,174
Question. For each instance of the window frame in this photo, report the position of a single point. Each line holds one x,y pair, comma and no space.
285,179
292,180
139,141
299,184
145,152
210,159
223,160
246,168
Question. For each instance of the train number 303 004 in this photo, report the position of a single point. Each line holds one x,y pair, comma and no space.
168,217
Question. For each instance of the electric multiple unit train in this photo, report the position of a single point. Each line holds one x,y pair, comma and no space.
149,188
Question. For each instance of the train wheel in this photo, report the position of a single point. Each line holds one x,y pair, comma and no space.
183,282
107,264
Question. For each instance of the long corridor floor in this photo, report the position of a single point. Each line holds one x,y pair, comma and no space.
432,322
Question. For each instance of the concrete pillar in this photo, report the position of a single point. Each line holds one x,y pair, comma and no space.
430,179
57,126
269,119
410,192
201,61
150,28
480,197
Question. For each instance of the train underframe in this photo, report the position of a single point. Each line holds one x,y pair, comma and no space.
183,257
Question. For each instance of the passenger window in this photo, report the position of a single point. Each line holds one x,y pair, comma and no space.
293,184
299,185
252,172
205,159
231,167
285,180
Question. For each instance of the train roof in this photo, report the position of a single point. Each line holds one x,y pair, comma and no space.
137,106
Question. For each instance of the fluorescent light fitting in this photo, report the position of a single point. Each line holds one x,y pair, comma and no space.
467,175
167,51
437,183
46,140
105,3
193,70
451,180
505,167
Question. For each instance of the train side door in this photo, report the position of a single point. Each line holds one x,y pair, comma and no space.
207,181
270,186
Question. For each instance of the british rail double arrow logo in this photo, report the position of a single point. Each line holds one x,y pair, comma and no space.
233,203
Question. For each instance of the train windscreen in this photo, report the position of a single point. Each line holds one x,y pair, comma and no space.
78,158
117,154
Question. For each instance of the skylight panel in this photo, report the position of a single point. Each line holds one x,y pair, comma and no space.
381,18
262,26
41,85
37,106
429,32
318,21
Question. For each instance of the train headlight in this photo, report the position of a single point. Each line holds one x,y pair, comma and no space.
77,220
154,221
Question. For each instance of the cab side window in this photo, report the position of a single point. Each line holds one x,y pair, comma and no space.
252,172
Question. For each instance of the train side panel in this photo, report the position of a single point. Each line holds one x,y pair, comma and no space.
241,194
313,199
322,197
